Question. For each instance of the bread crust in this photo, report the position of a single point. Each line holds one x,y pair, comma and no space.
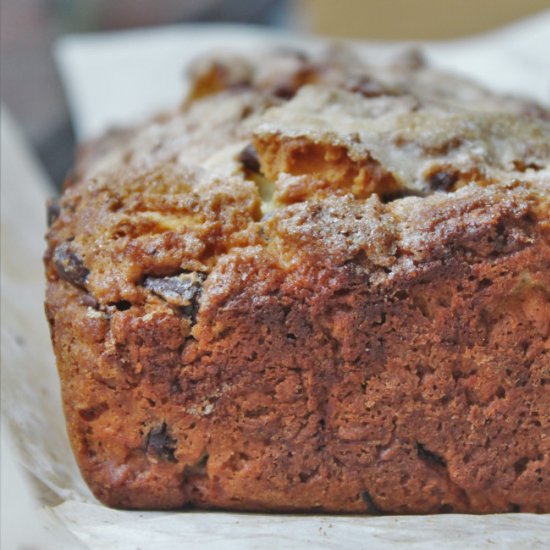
359,342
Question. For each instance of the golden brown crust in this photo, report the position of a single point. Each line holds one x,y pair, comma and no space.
410,143
339,346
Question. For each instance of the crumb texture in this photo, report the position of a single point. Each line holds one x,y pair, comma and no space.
319,285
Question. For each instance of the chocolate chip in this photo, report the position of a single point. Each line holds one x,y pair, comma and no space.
521,465
442,181
429,456
69,265
367,87
53,210
371,506
249,158
514,508
93,413
160,443
182,291
283,90
446,509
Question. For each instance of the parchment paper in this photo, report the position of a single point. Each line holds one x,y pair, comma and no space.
117,79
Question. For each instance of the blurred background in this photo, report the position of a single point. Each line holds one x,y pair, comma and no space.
29,84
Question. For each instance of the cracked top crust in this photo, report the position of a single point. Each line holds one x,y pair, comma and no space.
409,138
305,158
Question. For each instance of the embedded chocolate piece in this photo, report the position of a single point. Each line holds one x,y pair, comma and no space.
371,506
160,443
283,90
442,181
182,291
69,265
429,456
249,159
368,87
93,413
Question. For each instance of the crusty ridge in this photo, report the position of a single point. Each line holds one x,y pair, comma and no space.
202,178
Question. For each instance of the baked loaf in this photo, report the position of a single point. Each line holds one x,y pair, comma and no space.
318,286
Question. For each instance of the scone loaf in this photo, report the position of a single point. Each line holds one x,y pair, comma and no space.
318,286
